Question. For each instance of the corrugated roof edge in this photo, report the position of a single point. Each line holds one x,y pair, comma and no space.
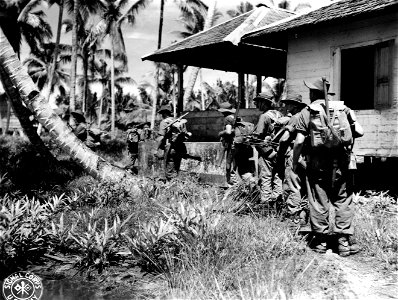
257,32
287,19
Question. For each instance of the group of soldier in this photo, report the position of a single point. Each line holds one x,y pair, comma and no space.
304,160
298,154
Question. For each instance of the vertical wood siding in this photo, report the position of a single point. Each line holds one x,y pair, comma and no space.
310,56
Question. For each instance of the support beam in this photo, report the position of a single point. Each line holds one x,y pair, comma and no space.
241,89
180,100
259,84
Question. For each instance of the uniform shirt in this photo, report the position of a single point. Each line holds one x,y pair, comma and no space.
304,116
163,125
264,126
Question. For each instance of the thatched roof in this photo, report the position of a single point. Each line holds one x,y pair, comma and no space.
219,47
334,12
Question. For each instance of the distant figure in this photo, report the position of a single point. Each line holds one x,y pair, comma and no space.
170,143
136,133
91,138
226,138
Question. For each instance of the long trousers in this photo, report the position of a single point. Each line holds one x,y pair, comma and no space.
329,182
269,181
295,201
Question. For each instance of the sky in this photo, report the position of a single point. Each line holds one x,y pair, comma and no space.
141,39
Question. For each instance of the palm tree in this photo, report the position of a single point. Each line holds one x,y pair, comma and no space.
80,11
209,21
50,77
105,79
115,14
242,8
39,67
288,5
13,72
21,21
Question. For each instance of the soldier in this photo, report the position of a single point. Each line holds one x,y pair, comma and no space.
172,135
91,138
79,125
328,177
135,134
296,202
270,183
226,138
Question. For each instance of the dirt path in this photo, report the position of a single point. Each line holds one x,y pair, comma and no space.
363,278
354,277
366,280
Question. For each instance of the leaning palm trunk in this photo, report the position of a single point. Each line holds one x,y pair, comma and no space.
195,71
23,115
91,162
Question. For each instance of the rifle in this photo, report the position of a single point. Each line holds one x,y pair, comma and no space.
176,120
325,91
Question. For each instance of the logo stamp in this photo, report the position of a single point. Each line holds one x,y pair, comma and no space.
22,286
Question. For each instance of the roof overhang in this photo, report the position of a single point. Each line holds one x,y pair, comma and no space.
244,58
221,48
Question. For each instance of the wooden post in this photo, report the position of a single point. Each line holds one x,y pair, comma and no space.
241,89
180,101
259,84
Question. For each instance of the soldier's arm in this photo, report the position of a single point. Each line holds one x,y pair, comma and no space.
356,128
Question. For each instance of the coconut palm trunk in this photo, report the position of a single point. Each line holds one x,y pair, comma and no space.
72,104
113,108
195,71
91,162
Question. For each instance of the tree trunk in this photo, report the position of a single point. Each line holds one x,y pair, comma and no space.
56,47
85,82
195,70
23,115
202,98
72,104
160,23
247,91
91,162
154,101
8,117
113,112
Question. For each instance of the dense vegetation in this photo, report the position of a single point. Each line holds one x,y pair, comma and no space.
189,240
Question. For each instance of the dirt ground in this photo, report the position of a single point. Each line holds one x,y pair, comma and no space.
354,277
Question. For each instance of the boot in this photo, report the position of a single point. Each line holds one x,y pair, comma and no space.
354,247
343,245
318,243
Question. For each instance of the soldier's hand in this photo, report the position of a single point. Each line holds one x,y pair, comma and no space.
294,181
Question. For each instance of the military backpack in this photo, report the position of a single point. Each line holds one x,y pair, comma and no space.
332,133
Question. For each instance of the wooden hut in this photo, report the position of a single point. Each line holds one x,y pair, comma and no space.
354,44
218,48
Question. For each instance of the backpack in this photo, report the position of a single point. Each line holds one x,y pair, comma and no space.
242,130
332,133
178,131
276,125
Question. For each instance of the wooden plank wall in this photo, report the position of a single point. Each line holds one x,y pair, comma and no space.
205,125
310,56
